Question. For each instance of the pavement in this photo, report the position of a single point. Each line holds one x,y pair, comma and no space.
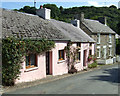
101,80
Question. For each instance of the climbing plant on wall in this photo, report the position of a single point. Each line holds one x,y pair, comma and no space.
71,54
13,51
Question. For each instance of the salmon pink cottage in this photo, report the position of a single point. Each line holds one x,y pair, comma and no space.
55,61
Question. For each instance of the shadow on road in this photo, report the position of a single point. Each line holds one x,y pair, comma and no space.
109,75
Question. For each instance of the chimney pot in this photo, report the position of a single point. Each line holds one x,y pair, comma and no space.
41,7
82,16
105,21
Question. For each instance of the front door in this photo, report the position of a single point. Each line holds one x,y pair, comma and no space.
104,52
84,58
48,63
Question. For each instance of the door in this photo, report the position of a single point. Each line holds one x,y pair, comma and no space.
48,63
84,58
104,53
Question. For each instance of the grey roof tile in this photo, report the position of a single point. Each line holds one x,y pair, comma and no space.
71,32
97,27
32,26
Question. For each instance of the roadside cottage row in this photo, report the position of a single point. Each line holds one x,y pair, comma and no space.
54,62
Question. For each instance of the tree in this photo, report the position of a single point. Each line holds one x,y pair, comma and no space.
27,9
113,6
55,12
61,9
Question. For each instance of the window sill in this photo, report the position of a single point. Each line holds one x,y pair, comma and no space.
31,69
98,43
98,57
110,42
61,61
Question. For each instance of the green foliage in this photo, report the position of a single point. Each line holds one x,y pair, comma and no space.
27,9
113,6
71,54
13,51
93,65
38,46
61,9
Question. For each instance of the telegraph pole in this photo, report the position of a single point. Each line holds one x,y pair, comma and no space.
35,3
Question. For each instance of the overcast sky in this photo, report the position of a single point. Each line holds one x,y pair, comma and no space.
16,4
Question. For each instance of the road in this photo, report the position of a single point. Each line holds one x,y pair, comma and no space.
100,81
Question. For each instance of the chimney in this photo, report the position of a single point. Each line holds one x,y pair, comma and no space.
105,21
43,12
82,16
41,7
76,23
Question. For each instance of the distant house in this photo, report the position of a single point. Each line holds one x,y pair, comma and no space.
103,35
117,45
53,62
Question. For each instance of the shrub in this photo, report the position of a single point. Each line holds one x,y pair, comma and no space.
93,65
12,53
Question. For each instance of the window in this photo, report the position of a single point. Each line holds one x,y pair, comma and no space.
110,38
98,38
104,52
61,55
78,44
90,44
78,56
90,52
31,61
110,50
98,52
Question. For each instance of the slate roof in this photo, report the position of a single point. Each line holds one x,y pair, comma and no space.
32,26
72,32
96,27
27,25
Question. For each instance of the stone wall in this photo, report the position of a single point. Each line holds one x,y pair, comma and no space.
104,39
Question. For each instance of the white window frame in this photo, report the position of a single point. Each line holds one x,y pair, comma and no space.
104,52
110,50
98,38
99,52
110,38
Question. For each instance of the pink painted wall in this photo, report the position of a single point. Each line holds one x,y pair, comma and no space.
33,73
58,67
84,46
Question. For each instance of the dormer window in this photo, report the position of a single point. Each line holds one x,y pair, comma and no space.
110,38
98,38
